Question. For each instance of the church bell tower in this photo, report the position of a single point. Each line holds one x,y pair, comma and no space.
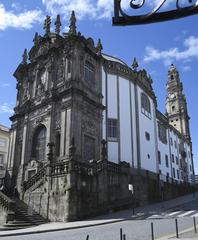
176,106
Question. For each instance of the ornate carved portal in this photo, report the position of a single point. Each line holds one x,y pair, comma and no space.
183,8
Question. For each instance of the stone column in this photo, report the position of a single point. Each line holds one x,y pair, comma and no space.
63,128
68,131
23,145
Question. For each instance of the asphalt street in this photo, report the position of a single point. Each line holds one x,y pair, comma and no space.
164,225
134,230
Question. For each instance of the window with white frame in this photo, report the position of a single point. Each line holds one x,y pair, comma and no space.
174,172
162,133
2,142
166,160
173,158
159,157
1,159
112,129
178,174
145,105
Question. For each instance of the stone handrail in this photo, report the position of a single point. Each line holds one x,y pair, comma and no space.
35,178
62,168
83,167
109,166
59,168
7,203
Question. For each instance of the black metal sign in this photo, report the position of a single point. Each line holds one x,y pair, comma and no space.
183,8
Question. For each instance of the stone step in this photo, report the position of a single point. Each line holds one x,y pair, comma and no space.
11,228
18,224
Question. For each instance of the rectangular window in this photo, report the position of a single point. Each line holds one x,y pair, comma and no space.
171,141
162,133
159,157
112,129
178,174
175,144
89,74
173,159
174,172
166,159
160,172
1,159
145,105
2,142
182,175
177,161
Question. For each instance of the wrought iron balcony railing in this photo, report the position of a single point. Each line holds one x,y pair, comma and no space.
183,8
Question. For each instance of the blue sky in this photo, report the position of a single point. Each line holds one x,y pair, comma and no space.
155,46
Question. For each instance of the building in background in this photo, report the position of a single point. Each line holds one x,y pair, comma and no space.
86,126
4,146
136,131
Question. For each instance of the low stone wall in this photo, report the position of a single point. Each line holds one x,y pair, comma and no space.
149,189
75,190
79,190
51,198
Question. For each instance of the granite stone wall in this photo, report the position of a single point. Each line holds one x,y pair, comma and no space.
2,216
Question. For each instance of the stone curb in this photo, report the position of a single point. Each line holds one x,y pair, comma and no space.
172,236
60,229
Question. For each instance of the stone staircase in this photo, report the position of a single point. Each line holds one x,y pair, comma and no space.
24,218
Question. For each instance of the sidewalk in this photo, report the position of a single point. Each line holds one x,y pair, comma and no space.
104,219
184,235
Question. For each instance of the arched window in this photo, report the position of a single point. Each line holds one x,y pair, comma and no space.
145,105
39,143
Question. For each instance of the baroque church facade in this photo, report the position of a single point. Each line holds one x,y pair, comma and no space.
86,126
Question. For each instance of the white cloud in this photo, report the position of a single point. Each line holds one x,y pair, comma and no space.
23,20
5,85
16,6
174,54
96,9
5,108
186,68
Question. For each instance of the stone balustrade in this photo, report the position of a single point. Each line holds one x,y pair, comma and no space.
8,207
35,178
